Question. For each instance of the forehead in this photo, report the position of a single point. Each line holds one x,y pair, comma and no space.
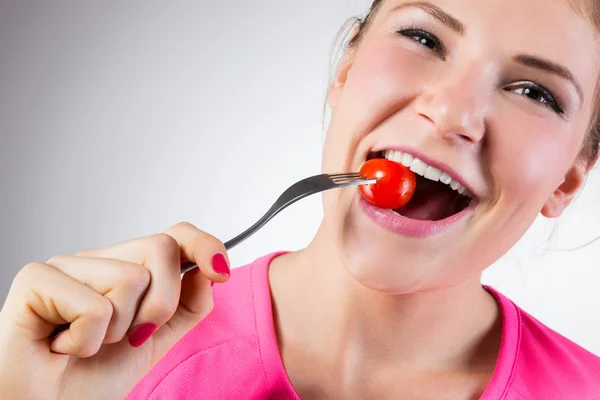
533,20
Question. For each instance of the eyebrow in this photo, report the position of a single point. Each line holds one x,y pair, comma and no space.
550,67
436,13
524,59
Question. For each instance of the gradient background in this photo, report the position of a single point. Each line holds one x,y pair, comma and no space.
120,119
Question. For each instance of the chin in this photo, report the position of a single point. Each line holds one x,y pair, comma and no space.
390,263
371,256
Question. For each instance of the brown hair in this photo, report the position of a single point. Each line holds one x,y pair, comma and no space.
589,8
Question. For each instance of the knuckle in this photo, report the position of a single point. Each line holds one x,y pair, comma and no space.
29,271
136,276
165,243
86,252
184,225
183,228
56,259
101,309
30,276
82,253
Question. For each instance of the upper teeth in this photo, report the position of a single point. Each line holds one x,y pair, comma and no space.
426,171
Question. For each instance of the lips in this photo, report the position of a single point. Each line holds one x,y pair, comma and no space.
414,228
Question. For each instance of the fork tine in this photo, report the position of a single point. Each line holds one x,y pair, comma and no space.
349,178
345,174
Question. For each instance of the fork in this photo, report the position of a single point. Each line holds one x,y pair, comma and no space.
298,191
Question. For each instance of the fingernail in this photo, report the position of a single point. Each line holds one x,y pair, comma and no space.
220,264
140,334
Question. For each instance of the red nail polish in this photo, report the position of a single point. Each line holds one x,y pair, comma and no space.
140,334
219,264
212,284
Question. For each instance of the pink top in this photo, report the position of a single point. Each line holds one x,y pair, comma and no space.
233,353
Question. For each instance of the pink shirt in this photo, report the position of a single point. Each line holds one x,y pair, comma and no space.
233,353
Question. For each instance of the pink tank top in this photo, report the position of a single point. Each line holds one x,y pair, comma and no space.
233,353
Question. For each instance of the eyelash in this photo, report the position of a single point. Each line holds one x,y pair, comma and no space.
418,35
550,101
415,32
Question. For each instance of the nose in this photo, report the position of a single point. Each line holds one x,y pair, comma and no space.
456,103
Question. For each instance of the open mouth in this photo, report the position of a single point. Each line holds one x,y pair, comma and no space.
437,195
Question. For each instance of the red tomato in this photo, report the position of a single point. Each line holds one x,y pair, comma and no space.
395,184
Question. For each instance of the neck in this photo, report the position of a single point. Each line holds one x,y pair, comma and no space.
347,324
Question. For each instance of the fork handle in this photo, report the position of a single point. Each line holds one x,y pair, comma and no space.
293,194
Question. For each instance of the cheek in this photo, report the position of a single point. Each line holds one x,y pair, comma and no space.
384,78
385,73
529,158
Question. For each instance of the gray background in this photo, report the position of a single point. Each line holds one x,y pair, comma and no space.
120,119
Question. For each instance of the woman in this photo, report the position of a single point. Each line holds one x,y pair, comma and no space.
500,95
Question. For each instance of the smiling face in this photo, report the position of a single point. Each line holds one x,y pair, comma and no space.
498,94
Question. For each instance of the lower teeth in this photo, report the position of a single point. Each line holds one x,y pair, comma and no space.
394,212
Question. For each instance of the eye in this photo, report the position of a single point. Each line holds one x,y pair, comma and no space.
536,93
424,38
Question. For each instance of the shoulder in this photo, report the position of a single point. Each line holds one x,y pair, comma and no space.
221,347
550,366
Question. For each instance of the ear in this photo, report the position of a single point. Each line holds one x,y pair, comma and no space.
337,86
341,76
568,189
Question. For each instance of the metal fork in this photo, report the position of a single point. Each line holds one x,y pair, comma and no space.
298,191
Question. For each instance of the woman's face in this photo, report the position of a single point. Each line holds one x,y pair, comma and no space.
498,94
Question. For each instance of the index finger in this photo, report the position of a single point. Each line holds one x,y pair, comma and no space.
195,245
205,250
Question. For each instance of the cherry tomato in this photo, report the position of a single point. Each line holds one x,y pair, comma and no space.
395,184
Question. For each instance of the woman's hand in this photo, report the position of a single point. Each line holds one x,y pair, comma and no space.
114,298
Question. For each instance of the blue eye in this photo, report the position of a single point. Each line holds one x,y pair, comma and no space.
424,38
536,93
